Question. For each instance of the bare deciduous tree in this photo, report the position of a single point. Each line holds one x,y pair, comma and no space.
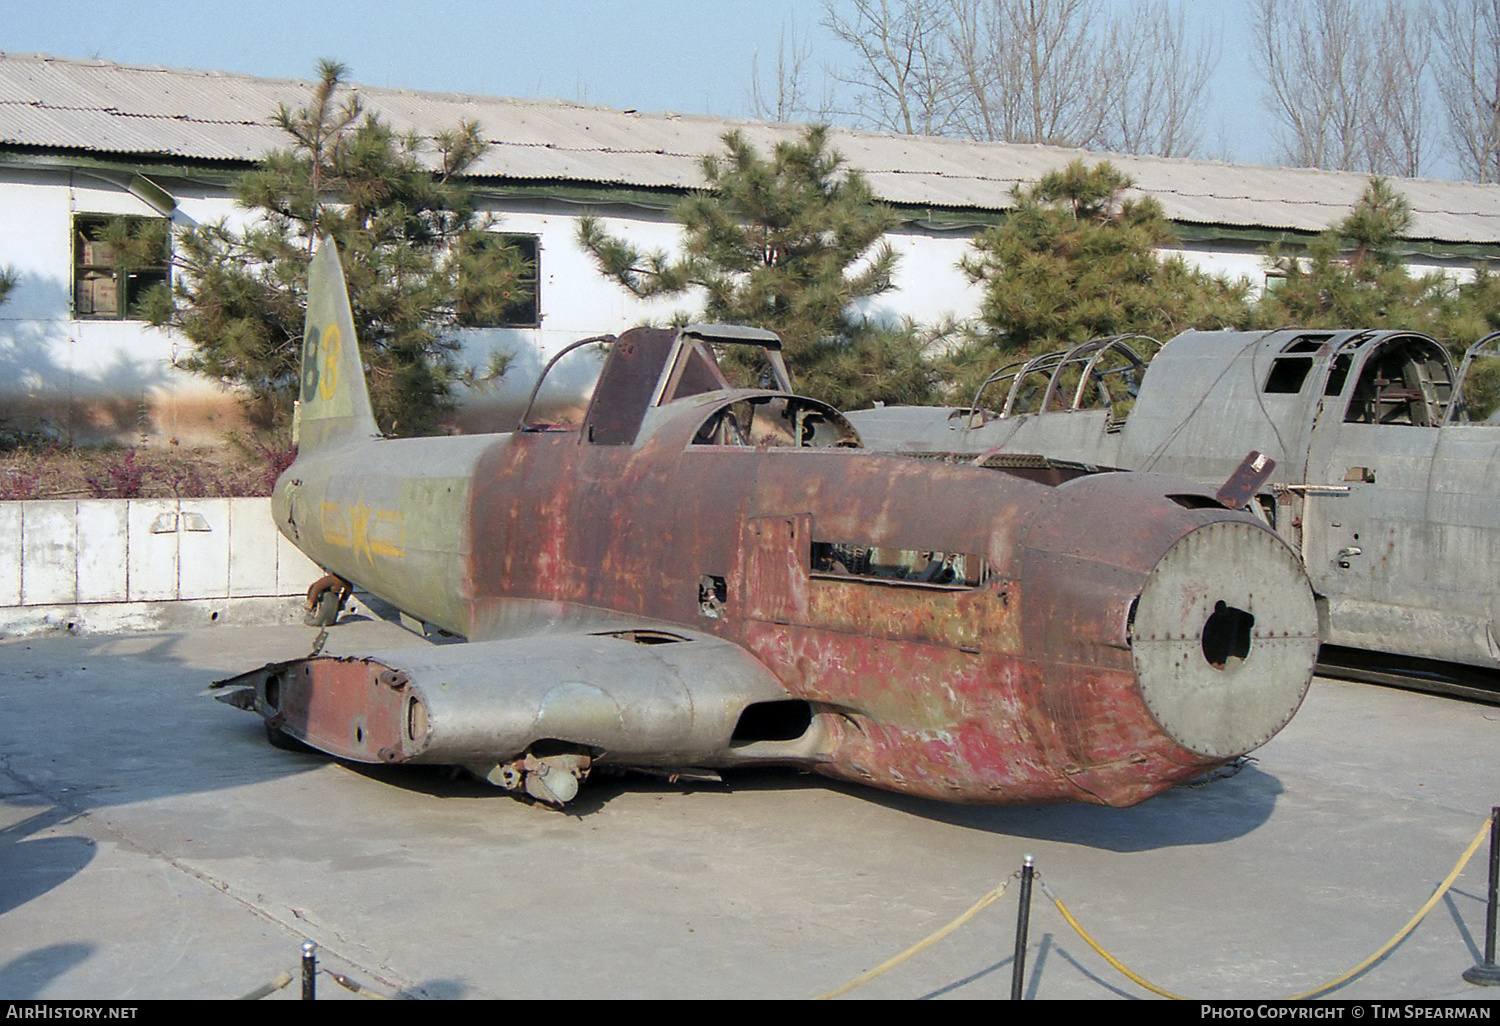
1468,75
1309,55
1038,67
904,71
1161,74
1064,72
790,97
1347,82
1395,140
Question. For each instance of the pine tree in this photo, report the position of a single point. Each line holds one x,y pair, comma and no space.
1075,260
416,254
790,244
1351,276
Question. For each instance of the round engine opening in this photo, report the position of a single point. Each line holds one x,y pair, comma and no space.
1226,635
1225,638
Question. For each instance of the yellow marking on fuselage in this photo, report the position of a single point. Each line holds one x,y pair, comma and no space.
329,344
366,530
359,529
335,524
394,522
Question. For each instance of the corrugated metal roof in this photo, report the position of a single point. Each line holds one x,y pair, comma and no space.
98,106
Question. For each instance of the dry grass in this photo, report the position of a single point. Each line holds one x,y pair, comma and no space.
35,469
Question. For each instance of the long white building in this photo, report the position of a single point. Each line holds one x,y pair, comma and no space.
84,140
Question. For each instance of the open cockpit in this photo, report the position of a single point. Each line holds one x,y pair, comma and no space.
646,369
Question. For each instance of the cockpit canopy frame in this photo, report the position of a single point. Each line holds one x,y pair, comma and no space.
1069,379
645,368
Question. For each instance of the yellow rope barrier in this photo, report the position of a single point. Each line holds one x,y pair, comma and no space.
1409,927
990,898
863,978
1385,949
1153,988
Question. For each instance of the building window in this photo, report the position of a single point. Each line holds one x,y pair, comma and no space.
117,260
516,307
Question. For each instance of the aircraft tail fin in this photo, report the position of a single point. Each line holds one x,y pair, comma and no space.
334,405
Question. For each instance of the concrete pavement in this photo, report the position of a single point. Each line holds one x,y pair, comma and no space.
153,845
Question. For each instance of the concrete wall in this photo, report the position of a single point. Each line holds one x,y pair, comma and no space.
113,564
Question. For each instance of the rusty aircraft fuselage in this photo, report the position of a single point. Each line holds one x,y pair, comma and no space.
971,634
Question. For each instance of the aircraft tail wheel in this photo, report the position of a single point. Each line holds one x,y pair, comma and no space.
325,600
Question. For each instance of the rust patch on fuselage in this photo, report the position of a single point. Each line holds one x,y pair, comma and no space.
935,691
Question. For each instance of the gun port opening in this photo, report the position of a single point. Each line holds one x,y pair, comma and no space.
416,720
273,692
785,720
1226,635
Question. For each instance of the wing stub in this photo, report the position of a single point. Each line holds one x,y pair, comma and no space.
627,698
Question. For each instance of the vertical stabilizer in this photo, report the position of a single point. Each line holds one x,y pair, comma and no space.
334,407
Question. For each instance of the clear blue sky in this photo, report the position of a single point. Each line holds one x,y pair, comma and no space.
691,56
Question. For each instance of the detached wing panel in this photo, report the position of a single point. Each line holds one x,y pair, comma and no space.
633,697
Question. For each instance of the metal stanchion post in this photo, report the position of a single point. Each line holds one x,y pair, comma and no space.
1487,973
309,970
1023,922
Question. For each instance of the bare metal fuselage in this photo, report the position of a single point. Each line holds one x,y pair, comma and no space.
1389,494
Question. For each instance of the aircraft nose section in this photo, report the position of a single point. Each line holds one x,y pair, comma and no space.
1225,638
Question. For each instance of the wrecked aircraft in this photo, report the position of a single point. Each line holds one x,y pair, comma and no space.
1382,482
698,576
